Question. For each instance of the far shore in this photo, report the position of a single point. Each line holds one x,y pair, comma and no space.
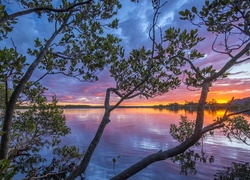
173,107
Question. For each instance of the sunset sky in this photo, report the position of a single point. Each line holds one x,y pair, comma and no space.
134,22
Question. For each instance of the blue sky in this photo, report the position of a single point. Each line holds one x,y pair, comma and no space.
134,23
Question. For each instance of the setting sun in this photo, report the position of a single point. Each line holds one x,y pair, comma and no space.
222,101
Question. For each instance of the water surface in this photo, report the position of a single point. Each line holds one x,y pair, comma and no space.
135,133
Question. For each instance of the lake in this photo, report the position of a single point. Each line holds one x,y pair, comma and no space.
134,133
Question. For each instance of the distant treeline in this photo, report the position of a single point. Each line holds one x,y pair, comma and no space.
237,105
89,106
79,106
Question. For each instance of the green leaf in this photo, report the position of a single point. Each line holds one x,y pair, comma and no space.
182,13
194,10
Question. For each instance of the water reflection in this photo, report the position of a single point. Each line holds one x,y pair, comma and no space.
134,133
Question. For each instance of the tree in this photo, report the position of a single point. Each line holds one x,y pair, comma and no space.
77,47
230,22
236,171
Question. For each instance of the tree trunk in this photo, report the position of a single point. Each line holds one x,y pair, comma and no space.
89,152
5,140
81,168
11,104
200,107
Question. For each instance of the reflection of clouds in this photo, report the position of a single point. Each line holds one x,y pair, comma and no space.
149,144
135,133
157,131
220,140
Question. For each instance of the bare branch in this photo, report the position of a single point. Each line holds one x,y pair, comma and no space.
138,94
64,56
39,79
76,76
230,63
239,112
13,44
241,61
117,93
192,66
220,52
152,29
218,124
211,128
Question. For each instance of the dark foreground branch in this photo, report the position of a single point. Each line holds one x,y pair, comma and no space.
39,9
159,156
220,123
162,155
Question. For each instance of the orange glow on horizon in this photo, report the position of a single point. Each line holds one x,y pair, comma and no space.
137,103
219,96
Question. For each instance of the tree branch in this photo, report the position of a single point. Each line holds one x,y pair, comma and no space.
81,168
220,52
230,63
13,99
220,123
158,156
25,12
192,66
243,60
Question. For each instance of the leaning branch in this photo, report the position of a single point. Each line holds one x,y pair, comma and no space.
139,94
95,141
158,156
220,123
39,9
239,112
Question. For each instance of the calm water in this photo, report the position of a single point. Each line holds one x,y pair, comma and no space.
135,133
